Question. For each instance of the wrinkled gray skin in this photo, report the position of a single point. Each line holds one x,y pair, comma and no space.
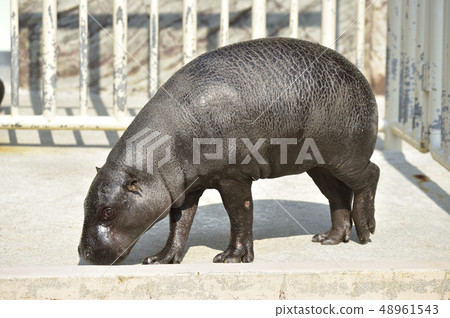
266,88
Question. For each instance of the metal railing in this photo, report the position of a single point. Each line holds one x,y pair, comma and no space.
418,77
119,120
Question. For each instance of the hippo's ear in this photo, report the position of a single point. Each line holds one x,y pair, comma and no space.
133,186
97,168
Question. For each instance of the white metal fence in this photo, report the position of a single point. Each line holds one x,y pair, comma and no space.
418,77
119,120
417,71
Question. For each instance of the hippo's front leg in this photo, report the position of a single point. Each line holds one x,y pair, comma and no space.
180,224
237,199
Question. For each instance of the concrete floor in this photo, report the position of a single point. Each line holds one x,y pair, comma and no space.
45,177
43,189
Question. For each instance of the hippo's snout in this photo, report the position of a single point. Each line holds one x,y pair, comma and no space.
97,247
102,255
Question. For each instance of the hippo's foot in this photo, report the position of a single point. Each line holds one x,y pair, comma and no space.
363,213
164,257
333,237
340,198
363,216
364,228
239,253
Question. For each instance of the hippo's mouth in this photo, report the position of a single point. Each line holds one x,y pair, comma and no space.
102,256
102,246
103,252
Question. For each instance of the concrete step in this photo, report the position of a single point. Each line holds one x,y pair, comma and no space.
328,280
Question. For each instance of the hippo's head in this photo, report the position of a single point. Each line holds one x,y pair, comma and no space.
118,209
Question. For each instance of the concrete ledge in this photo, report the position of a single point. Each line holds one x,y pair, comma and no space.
230,281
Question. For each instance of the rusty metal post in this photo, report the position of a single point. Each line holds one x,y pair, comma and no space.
189,30
83,34
49,27
14,11
436,49
421,56
393,142
120,23
446,89
154,47
408,64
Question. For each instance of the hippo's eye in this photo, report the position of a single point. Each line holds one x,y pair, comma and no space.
108,214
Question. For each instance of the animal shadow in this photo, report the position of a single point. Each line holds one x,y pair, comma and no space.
211,227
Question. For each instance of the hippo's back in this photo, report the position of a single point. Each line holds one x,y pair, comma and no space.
278,84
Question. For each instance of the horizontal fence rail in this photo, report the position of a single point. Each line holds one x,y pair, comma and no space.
120,120
418,77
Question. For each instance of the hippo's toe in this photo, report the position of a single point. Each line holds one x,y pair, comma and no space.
242,253
333,236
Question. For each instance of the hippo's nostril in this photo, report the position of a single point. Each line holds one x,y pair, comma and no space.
87,253
84,252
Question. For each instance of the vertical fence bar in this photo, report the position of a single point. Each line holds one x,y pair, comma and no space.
14,12
189,30
154,47
403,66
293,19
49,26
421,55
392,142
328,31
258,19
224,23
436,58
83,33
120,23
446,111
360,24
409,55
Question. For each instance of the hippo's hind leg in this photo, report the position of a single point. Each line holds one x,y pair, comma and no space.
180,224
363,182
340,199
237,199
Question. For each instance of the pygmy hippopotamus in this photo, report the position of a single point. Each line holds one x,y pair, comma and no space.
264,108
